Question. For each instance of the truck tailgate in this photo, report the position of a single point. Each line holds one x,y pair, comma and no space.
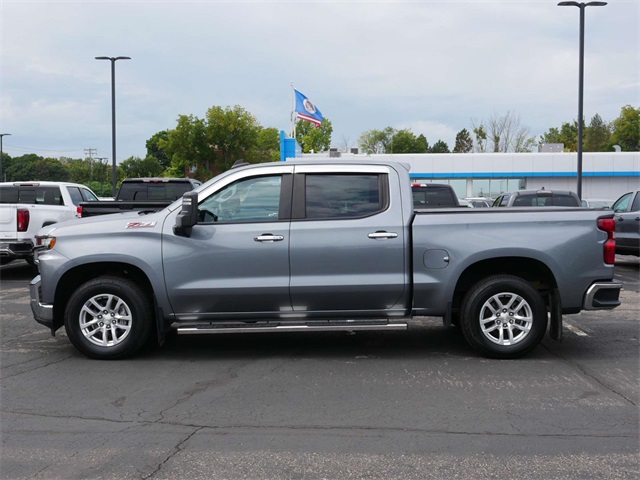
8,221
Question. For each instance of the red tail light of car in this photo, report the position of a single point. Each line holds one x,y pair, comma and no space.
23,220
609,225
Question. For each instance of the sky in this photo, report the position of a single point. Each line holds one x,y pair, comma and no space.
434,67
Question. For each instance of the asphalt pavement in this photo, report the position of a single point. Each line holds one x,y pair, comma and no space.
417,404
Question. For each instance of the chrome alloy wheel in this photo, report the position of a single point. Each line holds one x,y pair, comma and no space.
105,320
506,318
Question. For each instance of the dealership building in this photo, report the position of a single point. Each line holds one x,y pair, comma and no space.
604,175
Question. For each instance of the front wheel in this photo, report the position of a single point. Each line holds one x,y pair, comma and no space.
503,316
108,317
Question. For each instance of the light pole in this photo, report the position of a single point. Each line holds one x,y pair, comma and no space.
113,112
581,6
1,156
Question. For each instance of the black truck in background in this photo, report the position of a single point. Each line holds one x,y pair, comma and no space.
433,195
136,194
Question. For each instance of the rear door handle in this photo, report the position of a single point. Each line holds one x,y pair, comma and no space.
267,237
382,235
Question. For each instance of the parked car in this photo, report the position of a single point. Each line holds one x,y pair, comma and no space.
627,216
538,198
434,195
597,202
479,202
26,207
335,246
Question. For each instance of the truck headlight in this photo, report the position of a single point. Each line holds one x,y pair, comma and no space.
45,242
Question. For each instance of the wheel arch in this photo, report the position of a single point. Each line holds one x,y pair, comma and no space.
80,274
533,271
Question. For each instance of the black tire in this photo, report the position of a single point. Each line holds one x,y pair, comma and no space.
513,329
117,320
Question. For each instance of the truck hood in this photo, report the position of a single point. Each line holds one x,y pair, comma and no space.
105,223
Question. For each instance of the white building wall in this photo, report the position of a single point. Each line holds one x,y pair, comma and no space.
604,175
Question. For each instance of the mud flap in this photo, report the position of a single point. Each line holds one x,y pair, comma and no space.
555,315
446,320
162,325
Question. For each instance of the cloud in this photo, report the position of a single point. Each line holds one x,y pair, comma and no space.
429,65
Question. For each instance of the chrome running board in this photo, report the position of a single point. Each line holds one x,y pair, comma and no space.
266,327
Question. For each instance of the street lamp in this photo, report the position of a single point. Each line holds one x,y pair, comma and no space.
113,112
581,6
1,155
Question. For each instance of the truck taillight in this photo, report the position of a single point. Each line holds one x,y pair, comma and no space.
23,220
79,211
609,225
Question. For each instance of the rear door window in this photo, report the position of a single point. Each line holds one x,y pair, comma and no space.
88,195
76,195
343,195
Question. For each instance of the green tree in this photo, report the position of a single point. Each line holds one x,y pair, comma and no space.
312,138
404,141
481,139
377,141
464,142
422,145
267,148
79,169
188,146
155,149
232,132
34,167
440,147
597,135
370,142
626,129
137,167
567,134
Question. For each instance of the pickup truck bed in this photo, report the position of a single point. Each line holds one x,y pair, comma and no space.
140,194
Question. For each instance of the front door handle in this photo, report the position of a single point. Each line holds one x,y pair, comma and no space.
382,235
267,237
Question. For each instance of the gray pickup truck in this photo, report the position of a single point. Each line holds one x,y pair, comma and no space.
326,246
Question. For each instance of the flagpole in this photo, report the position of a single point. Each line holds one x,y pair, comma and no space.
293,125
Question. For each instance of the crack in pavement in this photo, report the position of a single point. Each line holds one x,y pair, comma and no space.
592,376
325,427
177,449
200,387
35,368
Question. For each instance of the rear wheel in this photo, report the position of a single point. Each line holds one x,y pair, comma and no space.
109,317
503,316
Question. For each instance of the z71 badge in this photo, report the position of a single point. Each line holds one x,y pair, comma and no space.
141,224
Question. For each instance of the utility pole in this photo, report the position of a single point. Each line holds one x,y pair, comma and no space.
88,153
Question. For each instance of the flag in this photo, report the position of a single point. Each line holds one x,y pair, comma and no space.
307,110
